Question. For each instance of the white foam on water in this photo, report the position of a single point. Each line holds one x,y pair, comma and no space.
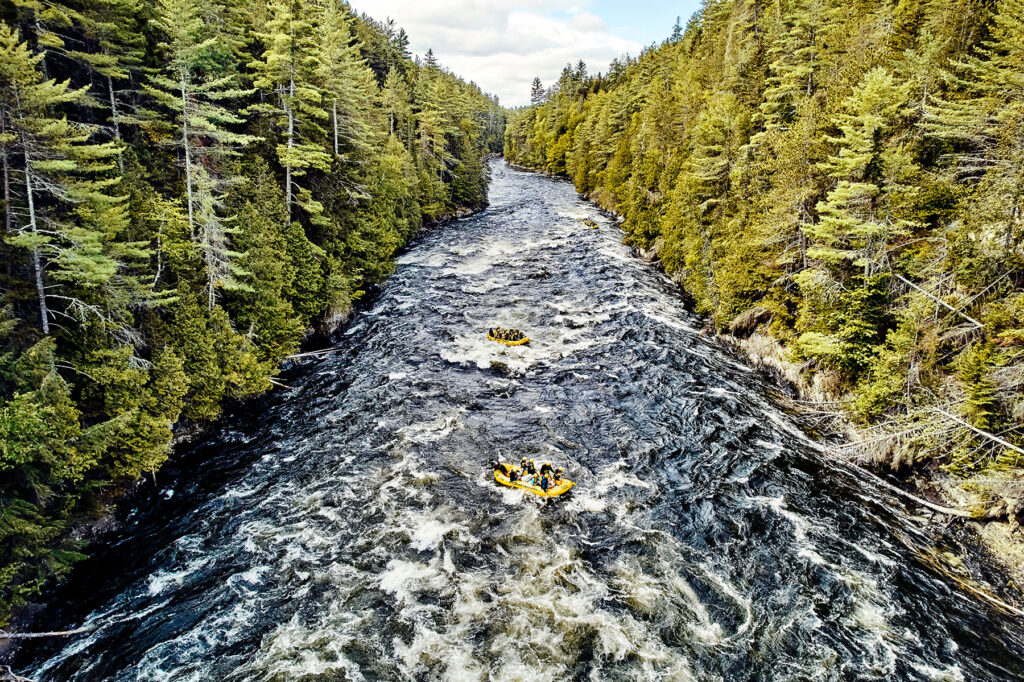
582,501
433,430
872,556
296,650
424,257
641,591
618,475
812,556
950,673
428,528
743,602
404,579
167,579
480,259
487,286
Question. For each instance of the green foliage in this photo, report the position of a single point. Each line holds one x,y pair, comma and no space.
856,173
170,233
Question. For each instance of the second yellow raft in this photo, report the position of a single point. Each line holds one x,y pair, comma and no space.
521,342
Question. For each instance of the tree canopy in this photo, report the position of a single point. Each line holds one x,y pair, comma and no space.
844,178
188,187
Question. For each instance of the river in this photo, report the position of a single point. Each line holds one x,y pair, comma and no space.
348,528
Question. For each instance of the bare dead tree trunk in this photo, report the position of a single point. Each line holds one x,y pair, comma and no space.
984,434
8,220
335,127
188,156
940,301
291,143
113,119
37,263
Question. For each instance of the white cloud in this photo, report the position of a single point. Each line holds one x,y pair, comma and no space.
585,21
503,46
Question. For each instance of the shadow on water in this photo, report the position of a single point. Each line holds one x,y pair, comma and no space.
348,528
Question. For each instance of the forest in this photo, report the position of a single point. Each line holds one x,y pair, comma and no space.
843,181
190,189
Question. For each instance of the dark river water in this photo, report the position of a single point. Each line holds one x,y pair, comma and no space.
349,529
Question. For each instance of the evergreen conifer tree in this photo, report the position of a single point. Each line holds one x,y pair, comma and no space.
795,61
989,122
536,92
289,69
196,92
861,216
348,85
118,54
69,217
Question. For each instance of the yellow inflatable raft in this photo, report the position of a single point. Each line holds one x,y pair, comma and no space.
560,489
521,342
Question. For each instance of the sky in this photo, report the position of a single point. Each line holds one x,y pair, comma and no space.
502,45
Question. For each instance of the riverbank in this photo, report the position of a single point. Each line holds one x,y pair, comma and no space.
110,509
954,513
954,505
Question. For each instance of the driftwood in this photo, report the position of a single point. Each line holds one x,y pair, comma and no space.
42,635
312,353
949,511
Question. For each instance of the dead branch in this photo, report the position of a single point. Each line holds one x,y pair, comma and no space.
940,301
984,434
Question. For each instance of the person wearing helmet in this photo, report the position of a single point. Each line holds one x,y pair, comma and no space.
557,480
500,468
546,468
530,468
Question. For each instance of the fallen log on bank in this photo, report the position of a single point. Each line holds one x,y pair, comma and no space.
41,635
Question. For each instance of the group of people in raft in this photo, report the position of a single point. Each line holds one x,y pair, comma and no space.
506,334
545,478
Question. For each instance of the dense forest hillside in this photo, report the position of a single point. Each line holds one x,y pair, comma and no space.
846,177
188,186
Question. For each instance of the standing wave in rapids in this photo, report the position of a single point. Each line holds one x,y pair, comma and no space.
349,528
